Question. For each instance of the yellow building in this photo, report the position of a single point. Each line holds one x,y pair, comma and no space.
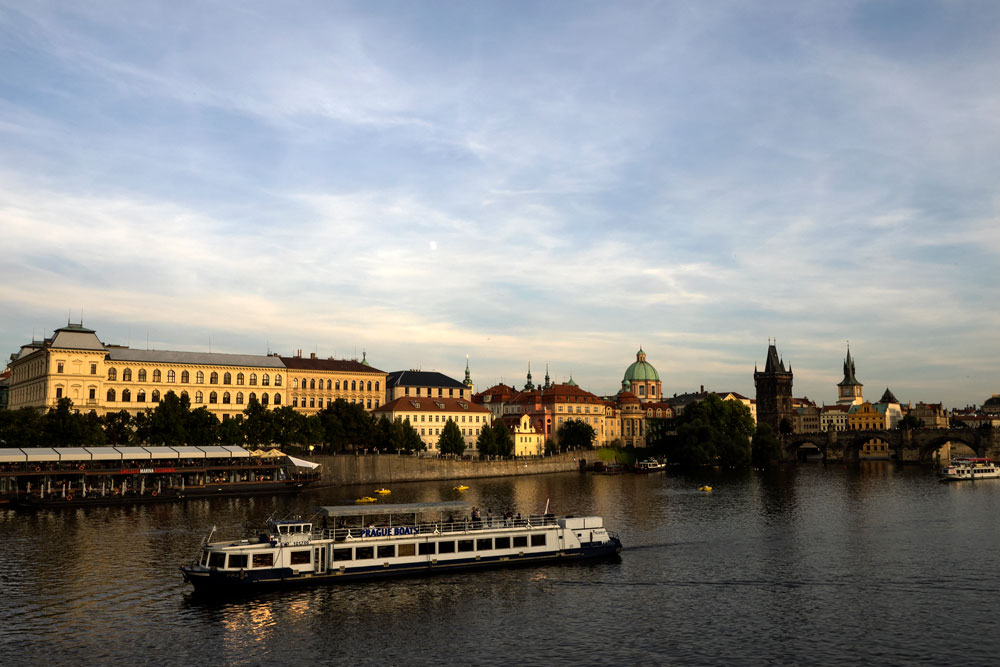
314,384
865,417
527,441
551,406
429,414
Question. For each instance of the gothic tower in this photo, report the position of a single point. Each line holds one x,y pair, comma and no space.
774,392
849,389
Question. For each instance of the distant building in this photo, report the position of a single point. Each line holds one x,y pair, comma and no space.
991,406
642,379
893,409
495,398
4,389
833,417
400,384
933,415
807,419
866,417
527,440
849,389
429,414
774,392
552,407
315,384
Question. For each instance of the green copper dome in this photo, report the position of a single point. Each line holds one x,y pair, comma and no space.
641,370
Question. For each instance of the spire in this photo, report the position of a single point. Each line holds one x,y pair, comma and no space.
548,382
529,385
364,358
468,378
849,377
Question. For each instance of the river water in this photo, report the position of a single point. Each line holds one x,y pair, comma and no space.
870,564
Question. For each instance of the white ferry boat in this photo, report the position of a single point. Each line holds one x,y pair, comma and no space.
970,468
370,542
650,465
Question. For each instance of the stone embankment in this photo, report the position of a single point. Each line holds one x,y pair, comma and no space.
389,468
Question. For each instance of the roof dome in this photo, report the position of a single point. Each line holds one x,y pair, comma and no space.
641,370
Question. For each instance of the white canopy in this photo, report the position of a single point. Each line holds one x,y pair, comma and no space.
162,453
40,454
104,454
73,454
303,464
133,452
8,455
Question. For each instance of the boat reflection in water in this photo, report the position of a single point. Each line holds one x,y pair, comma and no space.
393,540
69,476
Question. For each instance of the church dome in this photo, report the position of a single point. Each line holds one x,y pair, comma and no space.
641,370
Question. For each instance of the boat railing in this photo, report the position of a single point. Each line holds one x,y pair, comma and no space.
461,526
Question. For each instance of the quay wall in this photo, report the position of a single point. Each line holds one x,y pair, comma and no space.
388,468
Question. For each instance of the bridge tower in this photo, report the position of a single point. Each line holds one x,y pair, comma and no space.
774,391
849,389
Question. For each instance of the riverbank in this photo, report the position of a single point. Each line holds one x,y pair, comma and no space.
389,468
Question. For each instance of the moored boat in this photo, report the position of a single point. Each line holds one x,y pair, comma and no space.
969,468
649,465
393,540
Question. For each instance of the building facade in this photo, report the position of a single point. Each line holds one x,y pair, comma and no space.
314,384
429,414
400,384
774,392
642,379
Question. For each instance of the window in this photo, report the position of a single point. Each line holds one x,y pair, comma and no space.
141,375
263,560
465,545
264,399
185,377
239,378
213,397
59,367
406,550
213,378
312,402
342,554
199,397
171,376
126,395
447,547
227,378
59,391
237,561
369,404
217,559
295,401
140,397
156,396
184,394
484,544
93,393
93,369
277,399
295,383
156,375
337,385
387,551
199,378
265,380
354,385
369,385
253,379
521,541
502,543
376,386
300,557
239,398
252,397
112,374
426,548
363,553
226,398
277,381
538,540
127,375
312,383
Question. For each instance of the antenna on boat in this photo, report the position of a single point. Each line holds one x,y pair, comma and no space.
546,506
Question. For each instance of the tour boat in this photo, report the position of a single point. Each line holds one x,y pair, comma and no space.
650,465
969,468
392,540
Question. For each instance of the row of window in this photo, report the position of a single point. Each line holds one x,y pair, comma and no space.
334,385
199,397
314,403
430,392
60,367
424,417
199,377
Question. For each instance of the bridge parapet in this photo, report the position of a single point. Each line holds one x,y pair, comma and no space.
904,444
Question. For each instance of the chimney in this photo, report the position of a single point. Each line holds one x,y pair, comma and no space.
703,389
312,355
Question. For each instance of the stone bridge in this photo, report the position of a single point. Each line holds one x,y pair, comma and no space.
916,445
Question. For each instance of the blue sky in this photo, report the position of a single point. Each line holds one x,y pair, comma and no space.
551,182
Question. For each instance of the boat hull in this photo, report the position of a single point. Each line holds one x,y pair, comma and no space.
210,581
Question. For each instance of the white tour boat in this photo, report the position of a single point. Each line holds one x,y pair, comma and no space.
970,468
354,543
650,465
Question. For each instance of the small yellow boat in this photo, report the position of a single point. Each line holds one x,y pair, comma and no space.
383,491
364,499
705,488
461,487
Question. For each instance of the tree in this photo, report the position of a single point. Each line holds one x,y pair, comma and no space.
551,447
118,427
257,423
287,426
486,443
575,434
202,427
451,440
21,428
166,424
230,431
412,442
710,431
503,441
765,448
909,421
62,427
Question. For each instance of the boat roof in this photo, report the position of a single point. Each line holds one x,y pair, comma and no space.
42,454
399,508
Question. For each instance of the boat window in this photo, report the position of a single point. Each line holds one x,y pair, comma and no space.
538,540
282,529
502,543
426,548
237,561
263,560
217,559
484,544
521,541
407,549
300,557
362,553
342,554
204,557
447,547
465,545
387,551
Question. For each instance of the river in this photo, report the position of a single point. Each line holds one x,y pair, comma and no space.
837,565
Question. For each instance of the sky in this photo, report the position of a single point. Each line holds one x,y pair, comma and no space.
554,182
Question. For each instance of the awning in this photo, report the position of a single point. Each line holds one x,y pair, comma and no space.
188,452
9,455
299,463
237,452
133,453
162,453
104,454
40,454
72,454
